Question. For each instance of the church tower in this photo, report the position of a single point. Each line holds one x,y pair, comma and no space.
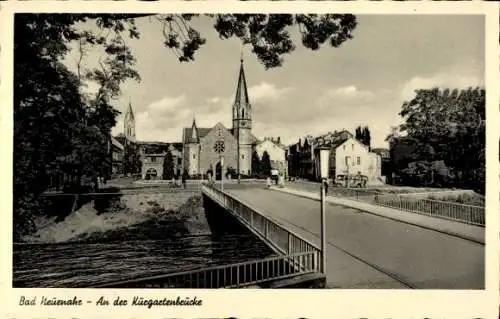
242,123
129,124
192,150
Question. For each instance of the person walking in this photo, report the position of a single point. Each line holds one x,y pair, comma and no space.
325,182
184,178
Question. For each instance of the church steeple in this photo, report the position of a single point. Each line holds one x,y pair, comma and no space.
194,130
241,98
129,124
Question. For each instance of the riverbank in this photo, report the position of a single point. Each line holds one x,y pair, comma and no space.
169,215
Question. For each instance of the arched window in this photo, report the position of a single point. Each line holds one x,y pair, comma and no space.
243,113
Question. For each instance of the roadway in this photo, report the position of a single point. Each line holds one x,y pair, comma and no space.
369,251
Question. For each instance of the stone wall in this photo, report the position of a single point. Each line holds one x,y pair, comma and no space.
168,200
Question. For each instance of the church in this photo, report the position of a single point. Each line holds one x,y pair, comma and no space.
203,148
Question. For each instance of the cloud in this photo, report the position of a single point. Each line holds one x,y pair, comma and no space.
346,96
292,113
164,119
267,91
455,77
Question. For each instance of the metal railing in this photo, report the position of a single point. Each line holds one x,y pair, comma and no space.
237,275
279,238
469,214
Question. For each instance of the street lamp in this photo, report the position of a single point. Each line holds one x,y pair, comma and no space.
222,173
322,158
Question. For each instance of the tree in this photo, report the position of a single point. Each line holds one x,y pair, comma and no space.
448,125
266,163
256,169
168,166
132,159
363,135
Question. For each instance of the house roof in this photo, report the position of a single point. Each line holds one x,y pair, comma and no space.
380,150
352,138
274,142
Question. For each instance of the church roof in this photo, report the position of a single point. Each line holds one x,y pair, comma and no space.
241,97
202,132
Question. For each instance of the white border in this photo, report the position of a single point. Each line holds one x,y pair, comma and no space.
265,303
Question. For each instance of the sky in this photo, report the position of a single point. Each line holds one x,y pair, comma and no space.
363,82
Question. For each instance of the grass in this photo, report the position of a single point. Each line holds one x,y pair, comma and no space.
467,199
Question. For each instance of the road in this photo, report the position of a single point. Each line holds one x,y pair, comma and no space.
368,251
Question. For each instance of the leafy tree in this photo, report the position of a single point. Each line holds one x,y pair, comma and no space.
266,163
255,163
132,159
446,125
363,135
168,166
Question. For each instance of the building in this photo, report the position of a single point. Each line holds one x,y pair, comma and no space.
277,153
203,148
347,156
150,155
352,157
153,156
117,152
383,152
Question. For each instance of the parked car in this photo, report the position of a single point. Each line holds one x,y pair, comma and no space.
351,181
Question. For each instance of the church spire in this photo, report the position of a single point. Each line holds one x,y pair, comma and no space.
241,91
194,130
129,124
130,112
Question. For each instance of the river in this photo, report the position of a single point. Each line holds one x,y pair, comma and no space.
128,246
74,265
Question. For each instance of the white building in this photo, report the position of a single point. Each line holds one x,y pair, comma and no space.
353,157
276,151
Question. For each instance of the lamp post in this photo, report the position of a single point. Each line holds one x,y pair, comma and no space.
222,173
322,155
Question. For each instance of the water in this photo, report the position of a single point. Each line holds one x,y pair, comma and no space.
74,265
86,248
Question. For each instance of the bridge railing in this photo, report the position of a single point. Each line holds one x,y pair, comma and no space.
282,240
469,214
229,276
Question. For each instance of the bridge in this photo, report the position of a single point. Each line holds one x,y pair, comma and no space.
374,240
393,243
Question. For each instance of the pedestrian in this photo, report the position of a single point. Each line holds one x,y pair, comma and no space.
325,182
268,182
184,178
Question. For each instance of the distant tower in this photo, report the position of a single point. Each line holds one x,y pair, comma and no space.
242,123
129,124
192,150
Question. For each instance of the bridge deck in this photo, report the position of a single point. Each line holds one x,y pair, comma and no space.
368,251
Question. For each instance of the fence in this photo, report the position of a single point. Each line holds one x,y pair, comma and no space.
229,276
279,238
469,214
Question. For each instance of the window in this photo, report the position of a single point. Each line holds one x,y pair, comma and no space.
352,146
194,156
358,160
242,156
344,147
153,159
179,161
243,113
347,160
